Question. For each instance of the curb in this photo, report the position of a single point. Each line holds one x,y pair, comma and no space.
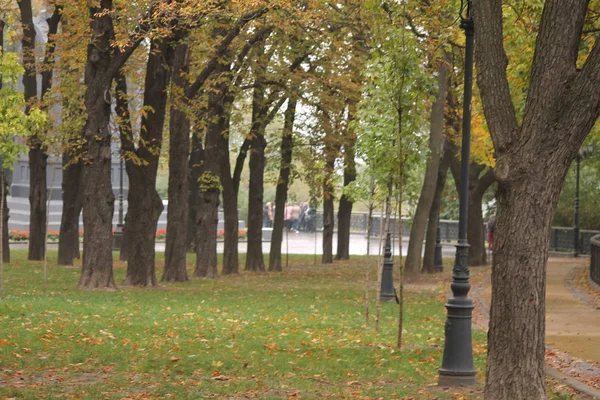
575,384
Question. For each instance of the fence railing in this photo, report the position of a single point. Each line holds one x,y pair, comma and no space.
595,259
561,239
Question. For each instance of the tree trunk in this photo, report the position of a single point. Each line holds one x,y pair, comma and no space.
124,242
282,186
68,239
145,207
5,184
194,170
475,231
254,256
144,204
478,184
210,181
230,203
415,245
37,156
345,207
179,187
37,202
206,242
328,212
434,212
5,216
516,338
98,197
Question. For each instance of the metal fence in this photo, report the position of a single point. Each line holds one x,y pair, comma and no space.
595,259
561,239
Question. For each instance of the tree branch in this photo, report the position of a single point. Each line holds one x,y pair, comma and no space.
221,49
123,116
554,61
491,63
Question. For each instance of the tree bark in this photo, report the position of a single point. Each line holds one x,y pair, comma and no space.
476,230
5,182
210,181
144,205
533,157
37,156
412,264
68,240
180,188
98,199
37,201
230,197
287,144
434,212
478,184
194,170
254,256
328,210
345,206
5,216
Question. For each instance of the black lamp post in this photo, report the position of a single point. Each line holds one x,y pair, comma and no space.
582,155
387,291
120,194
576,217
438,265
457,364
118,235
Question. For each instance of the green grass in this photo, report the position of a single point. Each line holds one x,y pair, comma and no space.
297,334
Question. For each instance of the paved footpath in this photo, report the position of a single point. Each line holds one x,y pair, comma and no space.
312,243
307,243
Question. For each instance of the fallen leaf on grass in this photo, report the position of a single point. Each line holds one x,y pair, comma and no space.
221,378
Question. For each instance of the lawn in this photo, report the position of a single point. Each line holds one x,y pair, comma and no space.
300,334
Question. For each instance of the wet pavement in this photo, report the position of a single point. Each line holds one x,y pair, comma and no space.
312,243
309,243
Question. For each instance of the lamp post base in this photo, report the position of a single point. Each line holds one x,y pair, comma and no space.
454,378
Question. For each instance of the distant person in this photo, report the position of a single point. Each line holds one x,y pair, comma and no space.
310,219
287,216
271,212
491,228
302,223
267,222
296,211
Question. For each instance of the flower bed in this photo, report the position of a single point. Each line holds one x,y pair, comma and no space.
23,236
242,235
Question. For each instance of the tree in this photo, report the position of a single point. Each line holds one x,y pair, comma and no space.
141,160
179,182
287,144
481,177
434,212
103,62
37,150
16,125
534,148
417,232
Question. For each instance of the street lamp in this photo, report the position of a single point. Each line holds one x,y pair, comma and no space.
457,364
387,291
118,235
438,265
582,155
